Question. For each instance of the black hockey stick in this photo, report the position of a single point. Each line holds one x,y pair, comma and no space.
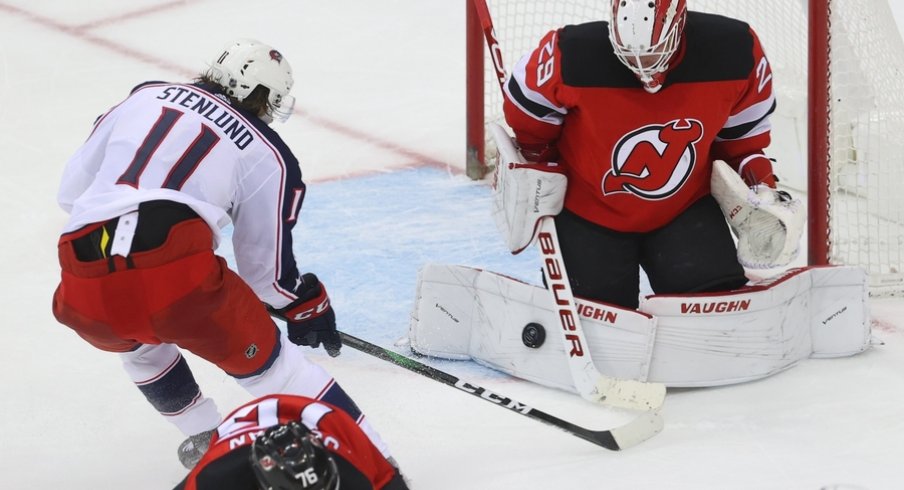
638,430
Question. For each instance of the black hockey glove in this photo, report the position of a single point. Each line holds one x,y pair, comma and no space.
310,319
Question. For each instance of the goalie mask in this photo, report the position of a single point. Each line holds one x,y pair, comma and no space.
646,35
291,457
245,64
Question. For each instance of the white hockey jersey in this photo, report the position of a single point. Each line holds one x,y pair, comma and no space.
186,143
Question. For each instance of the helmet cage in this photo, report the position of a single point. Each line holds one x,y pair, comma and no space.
645,29
246,64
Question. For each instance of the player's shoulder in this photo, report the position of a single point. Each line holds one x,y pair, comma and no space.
150,83
718,48
227,471
275,143
587,58
593,36
594,31
273,140
715,27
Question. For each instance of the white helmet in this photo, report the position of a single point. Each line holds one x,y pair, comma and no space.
244,64
645,35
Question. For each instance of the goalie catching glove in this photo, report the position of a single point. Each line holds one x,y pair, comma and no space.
310,319
767,222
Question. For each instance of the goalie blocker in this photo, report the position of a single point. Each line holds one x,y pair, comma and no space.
682,341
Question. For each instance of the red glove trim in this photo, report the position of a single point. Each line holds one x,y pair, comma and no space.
756,170
538,152
300,311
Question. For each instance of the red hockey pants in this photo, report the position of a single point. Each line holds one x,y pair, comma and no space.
179,293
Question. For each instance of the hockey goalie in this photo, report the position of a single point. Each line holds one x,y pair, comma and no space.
681,340
660,167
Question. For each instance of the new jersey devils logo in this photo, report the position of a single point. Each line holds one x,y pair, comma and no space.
654,161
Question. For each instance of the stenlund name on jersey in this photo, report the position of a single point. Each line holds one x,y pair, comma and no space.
223,118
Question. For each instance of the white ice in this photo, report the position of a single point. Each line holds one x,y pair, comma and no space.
380,88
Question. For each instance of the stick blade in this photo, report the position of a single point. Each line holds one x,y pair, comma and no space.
638,430
628,393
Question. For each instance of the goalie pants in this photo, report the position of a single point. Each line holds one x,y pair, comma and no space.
171,288
694,253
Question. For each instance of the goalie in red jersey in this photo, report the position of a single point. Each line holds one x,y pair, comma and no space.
643,136
636,111
291,442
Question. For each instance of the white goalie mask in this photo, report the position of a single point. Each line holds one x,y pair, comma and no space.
645,35
244,64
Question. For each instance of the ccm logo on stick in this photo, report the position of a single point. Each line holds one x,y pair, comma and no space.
493,397
554,270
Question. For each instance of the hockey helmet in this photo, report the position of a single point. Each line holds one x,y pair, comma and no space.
646,34
291,457
244,64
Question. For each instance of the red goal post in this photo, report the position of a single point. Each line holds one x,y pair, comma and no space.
838,133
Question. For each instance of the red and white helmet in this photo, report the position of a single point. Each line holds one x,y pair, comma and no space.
646,34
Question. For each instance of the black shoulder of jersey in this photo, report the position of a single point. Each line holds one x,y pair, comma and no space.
232,471
718,49
144,84
265,129
588,59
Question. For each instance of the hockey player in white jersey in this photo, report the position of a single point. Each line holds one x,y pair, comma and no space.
147,194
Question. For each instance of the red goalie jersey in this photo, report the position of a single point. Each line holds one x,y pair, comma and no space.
226,465
636,160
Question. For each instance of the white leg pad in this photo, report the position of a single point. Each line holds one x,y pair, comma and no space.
757,331
465,313
682,341
839,308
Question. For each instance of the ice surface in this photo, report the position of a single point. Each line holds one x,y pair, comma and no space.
380,87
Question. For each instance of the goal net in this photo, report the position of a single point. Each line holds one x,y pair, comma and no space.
856,210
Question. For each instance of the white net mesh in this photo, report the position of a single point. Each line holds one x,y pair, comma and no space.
867,152
866,209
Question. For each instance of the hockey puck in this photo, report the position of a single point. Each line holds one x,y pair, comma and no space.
533,335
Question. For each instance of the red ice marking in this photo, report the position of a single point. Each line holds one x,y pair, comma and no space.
97,41
883,326
367,138
380,171
80,33
134,14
